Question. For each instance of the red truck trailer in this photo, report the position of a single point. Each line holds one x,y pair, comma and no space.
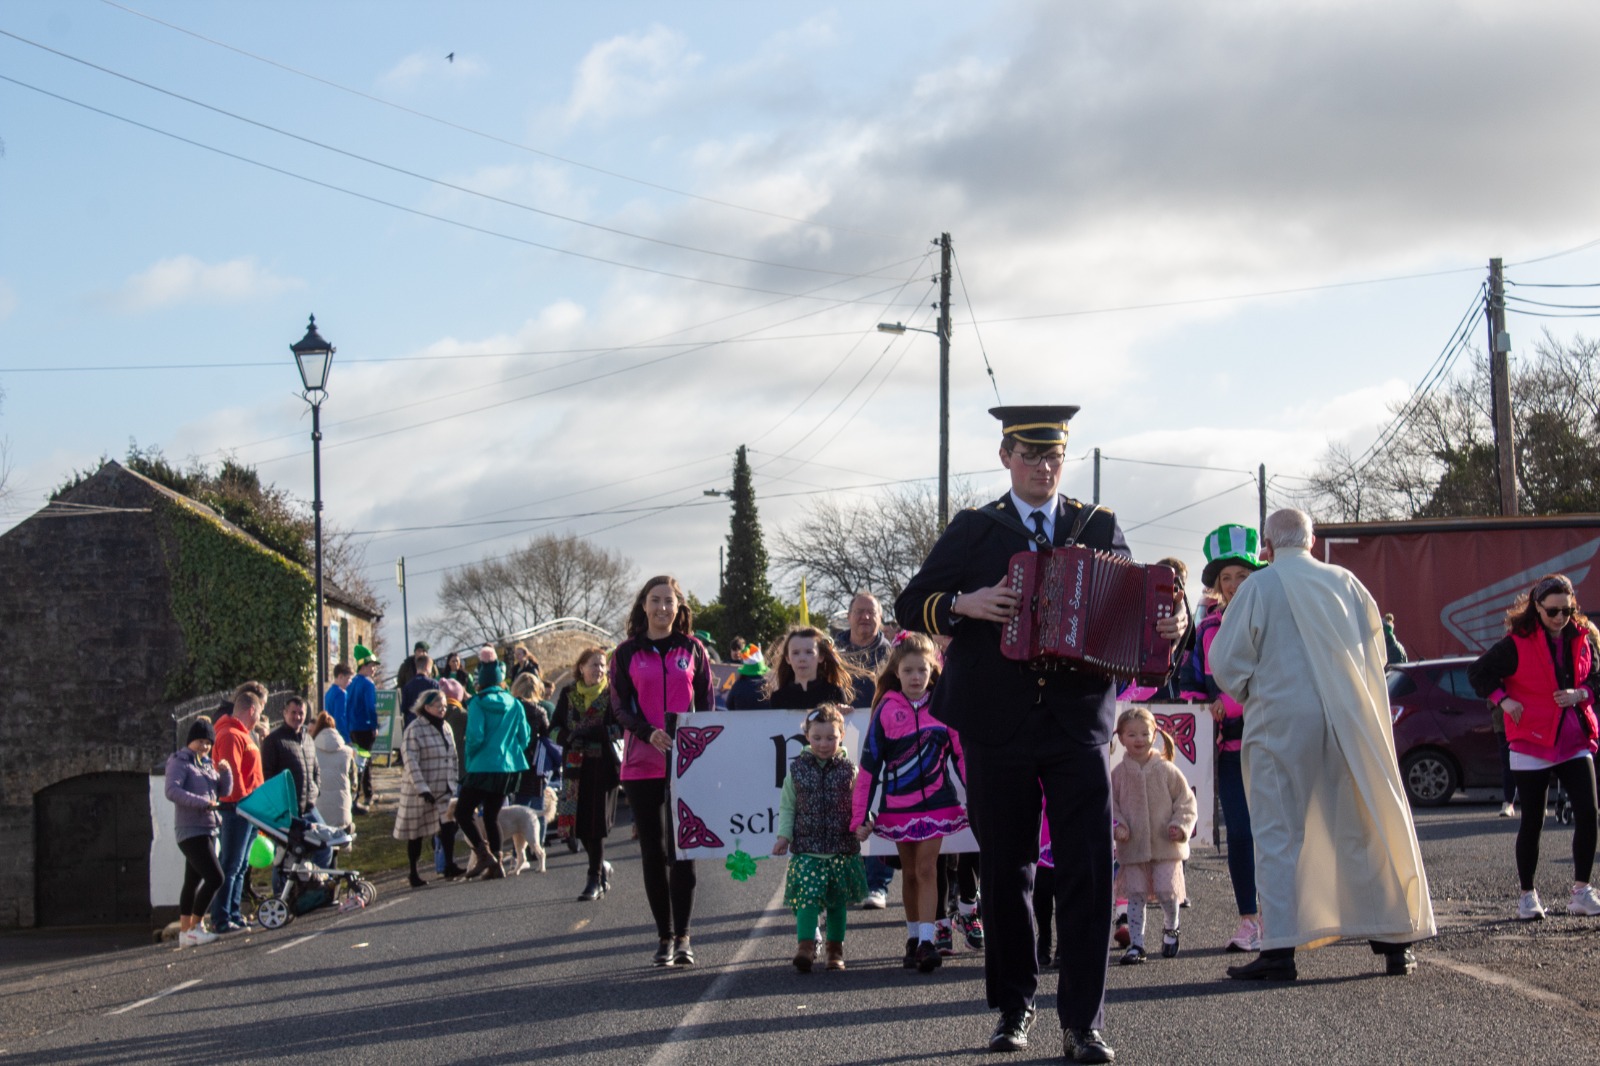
1449,581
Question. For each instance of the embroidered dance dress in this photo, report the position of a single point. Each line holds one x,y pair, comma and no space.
906,761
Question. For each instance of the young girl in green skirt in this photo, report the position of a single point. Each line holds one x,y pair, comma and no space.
825,868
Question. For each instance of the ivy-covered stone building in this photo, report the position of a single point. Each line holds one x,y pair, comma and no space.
126,607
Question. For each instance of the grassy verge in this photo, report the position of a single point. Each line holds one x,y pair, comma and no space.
376,851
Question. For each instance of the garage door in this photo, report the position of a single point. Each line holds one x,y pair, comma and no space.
92,851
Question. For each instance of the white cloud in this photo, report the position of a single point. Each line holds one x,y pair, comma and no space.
184,279
429,66
629,75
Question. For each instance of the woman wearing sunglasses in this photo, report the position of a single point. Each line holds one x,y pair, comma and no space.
1543,675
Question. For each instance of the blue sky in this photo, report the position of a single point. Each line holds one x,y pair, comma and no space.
761,186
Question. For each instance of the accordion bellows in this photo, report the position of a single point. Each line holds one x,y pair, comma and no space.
1093,609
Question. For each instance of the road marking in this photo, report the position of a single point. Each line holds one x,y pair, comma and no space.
292,943
152,999
1489,977
334,924
675,1046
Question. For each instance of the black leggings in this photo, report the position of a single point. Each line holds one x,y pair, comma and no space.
1577,777
467,802
965,864
202,874
596,850
1044,904
668,882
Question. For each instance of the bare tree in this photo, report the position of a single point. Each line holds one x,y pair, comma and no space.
551,577
1440,461
841,545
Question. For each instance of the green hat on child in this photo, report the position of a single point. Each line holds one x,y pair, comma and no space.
1230,545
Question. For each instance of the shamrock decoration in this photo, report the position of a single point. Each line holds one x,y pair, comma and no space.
740,865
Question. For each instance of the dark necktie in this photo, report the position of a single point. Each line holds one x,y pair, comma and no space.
1037,518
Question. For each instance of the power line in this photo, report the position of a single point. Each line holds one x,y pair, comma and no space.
398,207
526,396
1185,507
1435,373
1542,303
1177,466
440,357
492,137
392,168
981,349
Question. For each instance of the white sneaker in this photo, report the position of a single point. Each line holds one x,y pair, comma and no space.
1245,938
877,900
193,938
1529,909
1507,811
1585,901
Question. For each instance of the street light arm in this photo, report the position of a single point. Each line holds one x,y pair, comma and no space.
900,327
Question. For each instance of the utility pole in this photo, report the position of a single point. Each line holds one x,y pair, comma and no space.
1505,446
944,380
1096,476
405,614
1261,494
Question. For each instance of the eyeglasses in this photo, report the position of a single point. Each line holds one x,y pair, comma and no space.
1053,458
1558,612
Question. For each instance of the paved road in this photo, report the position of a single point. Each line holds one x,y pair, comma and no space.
518,971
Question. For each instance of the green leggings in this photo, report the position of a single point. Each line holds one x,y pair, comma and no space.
805,922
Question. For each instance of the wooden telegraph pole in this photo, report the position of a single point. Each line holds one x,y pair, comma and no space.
1505,447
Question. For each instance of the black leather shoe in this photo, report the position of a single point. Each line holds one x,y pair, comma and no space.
1011,1033
1265,969
1400,963
1086,1045
592,890
605,877
928,959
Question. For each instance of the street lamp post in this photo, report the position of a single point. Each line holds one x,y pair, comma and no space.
314,357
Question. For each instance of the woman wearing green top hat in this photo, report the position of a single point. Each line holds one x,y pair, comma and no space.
1231,556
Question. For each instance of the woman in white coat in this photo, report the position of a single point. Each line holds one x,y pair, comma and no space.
336,762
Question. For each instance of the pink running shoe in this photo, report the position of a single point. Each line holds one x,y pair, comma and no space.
1247,937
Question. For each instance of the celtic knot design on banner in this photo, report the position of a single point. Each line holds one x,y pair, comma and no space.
693,831
1181,727
692,743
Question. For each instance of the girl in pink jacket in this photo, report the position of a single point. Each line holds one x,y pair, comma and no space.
1155,812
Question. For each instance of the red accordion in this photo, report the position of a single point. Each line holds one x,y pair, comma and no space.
1090,609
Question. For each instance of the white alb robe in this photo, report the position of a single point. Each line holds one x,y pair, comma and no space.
1301,646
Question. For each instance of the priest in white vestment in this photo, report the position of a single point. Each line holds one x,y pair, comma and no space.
1302,647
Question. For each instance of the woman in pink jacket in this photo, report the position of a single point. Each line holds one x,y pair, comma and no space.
661,670
1543,675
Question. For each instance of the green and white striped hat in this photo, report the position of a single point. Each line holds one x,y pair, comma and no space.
1230,545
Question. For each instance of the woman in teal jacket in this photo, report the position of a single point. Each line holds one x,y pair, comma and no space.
496,738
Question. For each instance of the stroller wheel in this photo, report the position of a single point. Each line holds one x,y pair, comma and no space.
273,913
367,891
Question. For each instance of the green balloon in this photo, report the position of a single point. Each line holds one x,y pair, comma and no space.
260,852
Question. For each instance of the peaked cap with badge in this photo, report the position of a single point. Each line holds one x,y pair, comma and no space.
1037,425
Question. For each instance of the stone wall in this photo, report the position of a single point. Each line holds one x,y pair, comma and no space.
85,606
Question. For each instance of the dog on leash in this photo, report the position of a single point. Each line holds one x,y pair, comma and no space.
519,832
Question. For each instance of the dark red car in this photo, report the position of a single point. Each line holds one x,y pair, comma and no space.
1442,735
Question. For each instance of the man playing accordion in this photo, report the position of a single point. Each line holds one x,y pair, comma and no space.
1035,733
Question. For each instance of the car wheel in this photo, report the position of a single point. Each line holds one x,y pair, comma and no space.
1430,777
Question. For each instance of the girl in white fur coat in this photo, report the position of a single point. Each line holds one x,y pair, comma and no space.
1155,812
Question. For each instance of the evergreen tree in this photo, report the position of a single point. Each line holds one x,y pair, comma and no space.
748,606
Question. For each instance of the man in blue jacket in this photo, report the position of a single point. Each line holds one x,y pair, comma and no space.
361,704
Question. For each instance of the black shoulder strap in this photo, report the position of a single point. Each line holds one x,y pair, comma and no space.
1085,515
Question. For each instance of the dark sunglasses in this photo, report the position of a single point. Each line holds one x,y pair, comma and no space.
1558,612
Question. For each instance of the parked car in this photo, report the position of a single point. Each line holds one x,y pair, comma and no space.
1442,733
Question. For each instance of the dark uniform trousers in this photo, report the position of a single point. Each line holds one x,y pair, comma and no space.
1034,740
1070,782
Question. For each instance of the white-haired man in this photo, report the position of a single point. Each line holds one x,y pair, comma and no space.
1336,852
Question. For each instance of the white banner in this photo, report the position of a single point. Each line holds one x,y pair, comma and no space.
728,768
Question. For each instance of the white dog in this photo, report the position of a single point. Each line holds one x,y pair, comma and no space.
519,832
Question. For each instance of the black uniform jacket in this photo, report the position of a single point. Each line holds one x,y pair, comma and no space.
980,693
